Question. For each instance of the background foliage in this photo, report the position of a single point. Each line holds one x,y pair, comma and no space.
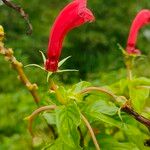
93,48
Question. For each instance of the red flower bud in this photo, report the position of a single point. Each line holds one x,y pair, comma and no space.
141,19
73,15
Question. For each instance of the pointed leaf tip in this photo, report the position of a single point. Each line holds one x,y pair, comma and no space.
63,61
27,118
67,70
48,76
43,56
122,49
35,65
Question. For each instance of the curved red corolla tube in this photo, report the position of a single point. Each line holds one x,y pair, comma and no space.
73,15
141,19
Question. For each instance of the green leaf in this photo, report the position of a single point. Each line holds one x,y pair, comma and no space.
74,91
43,56
122,49
138,98
35,65
48,75
141,81
108,142
95,114
50,118
67,120
53,98
106,119
135,136
138,95
67,70
59,144
62,95
80,86
121,87
59,96
100,105
128,128
63,61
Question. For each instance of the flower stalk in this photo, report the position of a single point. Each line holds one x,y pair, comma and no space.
91,132
129,62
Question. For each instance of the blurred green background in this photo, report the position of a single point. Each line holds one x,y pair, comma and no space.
93,48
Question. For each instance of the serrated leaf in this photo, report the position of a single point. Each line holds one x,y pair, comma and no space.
59,145
62,95
128,128
50,118
121,87
108,142
104,118
137,95
67,120
96,114
141,81
100,105
138,98
80,86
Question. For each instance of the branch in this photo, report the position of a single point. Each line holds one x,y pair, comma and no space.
35,113
8,53
126,108
118,100
137,116
90,89
91,132
21,11
39,110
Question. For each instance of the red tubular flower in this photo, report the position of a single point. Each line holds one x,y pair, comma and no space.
73,15
142,18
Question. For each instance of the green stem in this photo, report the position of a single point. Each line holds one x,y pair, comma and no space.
126,107
54,87
102,90
35,113
91,132
129,60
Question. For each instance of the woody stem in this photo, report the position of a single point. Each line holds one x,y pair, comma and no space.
137,116
126,108
18,66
